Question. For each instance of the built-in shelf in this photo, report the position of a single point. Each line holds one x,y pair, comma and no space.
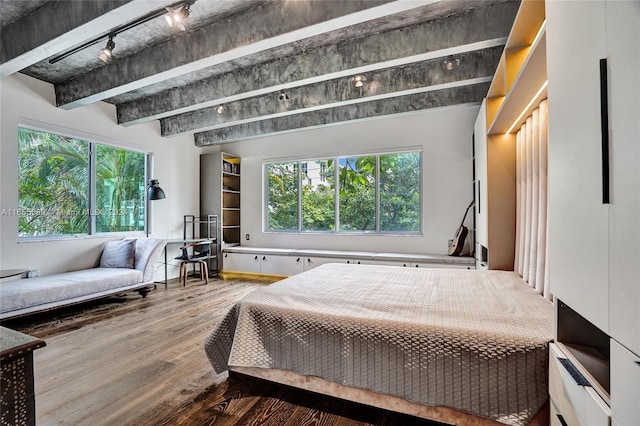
586,345
521,72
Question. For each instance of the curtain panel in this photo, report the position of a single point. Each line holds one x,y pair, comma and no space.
532,141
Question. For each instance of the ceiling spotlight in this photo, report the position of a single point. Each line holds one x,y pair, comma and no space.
220,109
358,80
450,63
177,16
283,96
106,54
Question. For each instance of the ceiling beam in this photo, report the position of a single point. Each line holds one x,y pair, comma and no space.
59,26
471,30
474,67
280,23
342,114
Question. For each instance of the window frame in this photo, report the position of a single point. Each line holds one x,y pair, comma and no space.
93,141
336,170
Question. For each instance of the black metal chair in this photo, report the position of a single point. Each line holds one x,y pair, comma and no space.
200,254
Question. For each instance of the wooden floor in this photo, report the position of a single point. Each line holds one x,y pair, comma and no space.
134,361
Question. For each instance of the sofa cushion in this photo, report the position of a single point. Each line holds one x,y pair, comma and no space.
118,254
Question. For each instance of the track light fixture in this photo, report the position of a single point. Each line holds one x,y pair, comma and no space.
106,54
358,80
177,16
450,63
220,109
283,96
179,12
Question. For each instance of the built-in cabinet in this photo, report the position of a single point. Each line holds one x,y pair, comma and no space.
517,88
286,262
593,63
269,264
220,195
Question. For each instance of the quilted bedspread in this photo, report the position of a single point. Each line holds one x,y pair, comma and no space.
476,341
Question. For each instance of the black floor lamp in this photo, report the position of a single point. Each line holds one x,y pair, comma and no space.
153,193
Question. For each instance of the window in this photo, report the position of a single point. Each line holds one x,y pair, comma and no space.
351,194
68,186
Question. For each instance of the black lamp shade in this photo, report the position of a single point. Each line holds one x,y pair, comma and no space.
155,192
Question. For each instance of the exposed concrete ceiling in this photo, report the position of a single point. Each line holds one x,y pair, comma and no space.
245,55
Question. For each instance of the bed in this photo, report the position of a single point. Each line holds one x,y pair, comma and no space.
449,345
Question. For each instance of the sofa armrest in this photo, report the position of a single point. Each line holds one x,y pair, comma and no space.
148,251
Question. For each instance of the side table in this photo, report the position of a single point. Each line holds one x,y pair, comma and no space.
17,402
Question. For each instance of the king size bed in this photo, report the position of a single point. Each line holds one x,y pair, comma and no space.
464,347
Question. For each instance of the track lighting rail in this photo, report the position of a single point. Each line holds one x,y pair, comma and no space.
113,32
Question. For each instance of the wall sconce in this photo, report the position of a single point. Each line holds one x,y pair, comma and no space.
450,63
283,96
106,54
220,109
358,80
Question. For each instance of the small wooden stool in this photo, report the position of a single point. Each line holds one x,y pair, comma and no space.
184,270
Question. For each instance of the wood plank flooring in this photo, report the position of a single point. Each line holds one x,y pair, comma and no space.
134,361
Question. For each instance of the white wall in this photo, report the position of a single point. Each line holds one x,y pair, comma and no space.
176,166
443,134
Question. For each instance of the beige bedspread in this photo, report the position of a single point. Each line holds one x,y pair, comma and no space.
475,341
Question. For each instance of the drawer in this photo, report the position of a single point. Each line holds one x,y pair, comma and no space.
625,385
556,418
577,405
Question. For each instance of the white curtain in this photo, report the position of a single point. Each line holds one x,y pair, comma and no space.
531,200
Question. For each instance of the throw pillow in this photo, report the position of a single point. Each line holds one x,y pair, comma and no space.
118,254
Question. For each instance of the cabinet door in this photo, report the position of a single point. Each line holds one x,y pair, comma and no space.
623,55
480,150
313,262
241,262
578,219
389,263
281,265
625,385
441,266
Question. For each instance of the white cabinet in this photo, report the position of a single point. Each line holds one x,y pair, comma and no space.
578,218
480,184
311,262
241,262
625,385
623,53
594,244
281,265
263,264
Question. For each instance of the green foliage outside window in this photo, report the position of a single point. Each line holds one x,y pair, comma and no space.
373,193
54,181
282,203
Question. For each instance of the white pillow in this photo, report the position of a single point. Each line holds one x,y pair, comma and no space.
118,254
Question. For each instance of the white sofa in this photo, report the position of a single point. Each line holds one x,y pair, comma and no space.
32,295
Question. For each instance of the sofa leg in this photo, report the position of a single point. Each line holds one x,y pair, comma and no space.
144,291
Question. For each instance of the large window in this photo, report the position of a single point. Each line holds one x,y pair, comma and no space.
68,186
355,194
